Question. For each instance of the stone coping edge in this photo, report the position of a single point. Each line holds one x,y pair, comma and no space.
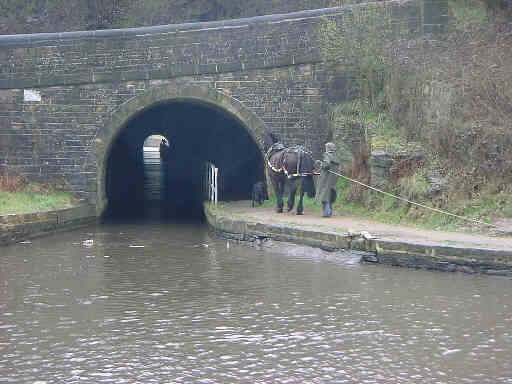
19,40
382,251
15,228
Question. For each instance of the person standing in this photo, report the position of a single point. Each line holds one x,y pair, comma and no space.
326,188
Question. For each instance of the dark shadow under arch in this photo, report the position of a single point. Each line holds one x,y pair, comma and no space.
201,124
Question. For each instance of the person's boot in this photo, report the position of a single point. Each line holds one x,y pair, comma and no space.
326,208
329,209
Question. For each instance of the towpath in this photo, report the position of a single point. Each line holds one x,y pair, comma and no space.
343,224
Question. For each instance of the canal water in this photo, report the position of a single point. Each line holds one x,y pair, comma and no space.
168,302
160,301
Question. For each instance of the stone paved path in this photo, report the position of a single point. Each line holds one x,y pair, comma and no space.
341,223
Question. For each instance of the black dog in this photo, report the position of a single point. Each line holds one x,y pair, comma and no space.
259,193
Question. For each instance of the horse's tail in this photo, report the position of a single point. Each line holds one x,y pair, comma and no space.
308,186
306,167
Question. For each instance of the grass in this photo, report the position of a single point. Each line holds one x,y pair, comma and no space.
32,198
488,207
467,13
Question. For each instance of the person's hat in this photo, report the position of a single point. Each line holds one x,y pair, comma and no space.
330,147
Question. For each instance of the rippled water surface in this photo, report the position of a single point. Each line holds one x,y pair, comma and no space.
167,302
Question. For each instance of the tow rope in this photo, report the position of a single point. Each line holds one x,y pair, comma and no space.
417,204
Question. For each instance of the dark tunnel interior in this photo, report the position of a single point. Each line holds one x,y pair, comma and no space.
140,184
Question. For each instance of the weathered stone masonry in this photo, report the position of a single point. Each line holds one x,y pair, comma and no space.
79,81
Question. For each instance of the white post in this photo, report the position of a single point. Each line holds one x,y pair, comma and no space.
211,183
215,172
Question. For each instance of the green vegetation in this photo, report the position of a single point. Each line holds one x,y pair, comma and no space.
22,202
468,13
17,196
454,111
450,103
490,205
391,91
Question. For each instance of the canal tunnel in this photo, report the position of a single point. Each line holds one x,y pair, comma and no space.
140,183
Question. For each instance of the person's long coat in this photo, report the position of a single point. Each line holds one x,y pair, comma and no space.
326,184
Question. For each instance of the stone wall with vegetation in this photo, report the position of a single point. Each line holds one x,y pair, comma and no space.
21,227
424,111
57,91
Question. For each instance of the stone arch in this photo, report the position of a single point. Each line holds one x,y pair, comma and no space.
101,144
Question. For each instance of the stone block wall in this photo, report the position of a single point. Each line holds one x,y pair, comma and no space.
52,138
20,227
57,91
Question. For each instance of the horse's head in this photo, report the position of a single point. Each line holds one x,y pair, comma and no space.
269,139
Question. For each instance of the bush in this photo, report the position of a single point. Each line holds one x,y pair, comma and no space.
11,183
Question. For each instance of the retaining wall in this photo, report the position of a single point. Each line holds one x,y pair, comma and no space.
19,227
384,251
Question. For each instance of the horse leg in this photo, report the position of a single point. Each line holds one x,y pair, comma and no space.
278,188
300,205
293,190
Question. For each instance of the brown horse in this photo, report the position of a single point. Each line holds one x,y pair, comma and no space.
286,166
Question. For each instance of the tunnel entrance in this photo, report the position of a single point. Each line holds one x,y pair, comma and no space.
156,164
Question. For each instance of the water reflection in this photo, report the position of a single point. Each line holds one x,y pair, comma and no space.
167,302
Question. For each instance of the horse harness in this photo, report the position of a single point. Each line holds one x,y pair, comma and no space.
281,166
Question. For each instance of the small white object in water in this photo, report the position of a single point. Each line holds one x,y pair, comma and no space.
88,243
136,246
450,351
